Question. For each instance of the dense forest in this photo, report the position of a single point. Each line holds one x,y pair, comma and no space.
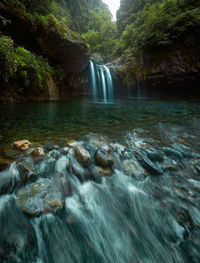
147,34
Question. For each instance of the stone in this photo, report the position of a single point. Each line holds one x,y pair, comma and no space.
151,167
40,197
170,167
37,153
104,158
133,168
154,155
83,156
21,145
170,152
27,171
100,171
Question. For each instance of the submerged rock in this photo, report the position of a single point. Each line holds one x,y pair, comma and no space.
40,197
103,157
21,145
82,156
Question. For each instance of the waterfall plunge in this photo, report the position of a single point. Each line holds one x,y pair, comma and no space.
102,84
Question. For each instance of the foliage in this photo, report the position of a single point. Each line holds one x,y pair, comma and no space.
21,65
101,33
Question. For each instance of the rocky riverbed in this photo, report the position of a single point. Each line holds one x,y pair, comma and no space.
95,200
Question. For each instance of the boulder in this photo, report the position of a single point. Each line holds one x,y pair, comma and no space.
39,197
103,157
21,145
82,156
37,153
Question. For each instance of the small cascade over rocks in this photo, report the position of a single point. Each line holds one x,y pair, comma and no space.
101,82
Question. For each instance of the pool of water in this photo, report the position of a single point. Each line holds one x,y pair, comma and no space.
62,121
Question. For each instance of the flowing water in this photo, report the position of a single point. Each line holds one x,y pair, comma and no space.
101,83
146,211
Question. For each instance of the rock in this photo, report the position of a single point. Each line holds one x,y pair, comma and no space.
100,171
27,171
185,151
103,157
118,148
149,166
72,143
133,168
82,156
21,145
170,152
170,167
37,153
39,197
154,155
49,146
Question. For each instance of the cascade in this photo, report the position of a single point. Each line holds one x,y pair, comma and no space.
101,82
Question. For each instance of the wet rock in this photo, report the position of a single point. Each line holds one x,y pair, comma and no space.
154,155
100,171
185,151
133,168
49,146
172,153
27,171
39,197
82,156
21,145
153,168
72,143
118,148
103,157
170,167
37,153
96,140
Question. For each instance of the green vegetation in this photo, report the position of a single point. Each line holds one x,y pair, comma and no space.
18,64
157,29
101,33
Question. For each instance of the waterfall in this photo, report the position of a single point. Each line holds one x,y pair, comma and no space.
94,84
101,82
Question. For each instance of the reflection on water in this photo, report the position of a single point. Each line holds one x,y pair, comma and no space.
65,120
